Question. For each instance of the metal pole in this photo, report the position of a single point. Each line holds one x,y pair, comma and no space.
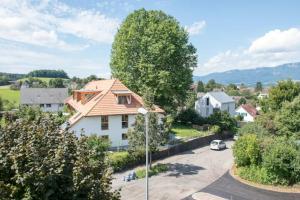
147,166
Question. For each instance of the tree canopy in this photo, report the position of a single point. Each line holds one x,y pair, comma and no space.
38,160
48,73
151,50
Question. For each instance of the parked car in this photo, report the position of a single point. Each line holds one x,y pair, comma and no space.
217,145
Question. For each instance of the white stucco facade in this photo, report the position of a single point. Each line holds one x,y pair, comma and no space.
246,116
92,125
206,105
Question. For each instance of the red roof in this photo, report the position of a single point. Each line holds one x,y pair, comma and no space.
104,101
250,109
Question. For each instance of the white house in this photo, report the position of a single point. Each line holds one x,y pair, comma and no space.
247,111
106,108
213,101
48,99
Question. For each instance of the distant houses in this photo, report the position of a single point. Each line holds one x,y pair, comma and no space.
48,99
213,101
106,108
248,112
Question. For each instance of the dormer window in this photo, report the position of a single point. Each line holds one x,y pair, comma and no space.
122,100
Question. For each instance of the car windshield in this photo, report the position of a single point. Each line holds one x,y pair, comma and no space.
214,142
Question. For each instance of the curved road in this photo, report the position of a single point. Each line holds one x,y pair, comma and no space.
189,172
193,174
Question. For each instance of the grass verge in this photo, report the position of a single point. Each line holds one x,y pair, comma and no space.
187,131
155,170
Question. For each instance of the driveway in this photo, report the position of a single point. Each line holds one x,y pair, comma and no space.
227,187
189,172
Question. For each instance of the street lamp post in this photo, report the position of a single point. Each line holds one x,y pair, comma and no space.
144,112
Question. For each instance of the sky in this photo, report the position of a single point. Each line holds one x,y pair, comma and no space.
76,35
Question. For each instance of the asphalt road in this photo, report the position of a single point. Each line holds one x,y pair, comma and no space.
229,188
189,172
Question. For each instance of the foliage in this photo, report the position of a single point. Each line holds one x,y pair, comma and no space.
253,128
281,158
156,132
266,120
255,173
38,160
1,104
124,160
151,50
48,73
283,91
215,129
287,119
36,83
242,101
187,131
190,100
189,116
258,86
239,117
223,120
211,85
155,170
200,86
56,83
246,150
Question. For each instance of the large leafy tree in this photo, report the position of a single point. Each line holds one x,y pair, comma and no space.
38,160
287,119
283,91
151,50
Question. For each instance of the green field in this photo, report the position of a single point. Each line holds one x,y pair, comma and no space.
10,95
185,131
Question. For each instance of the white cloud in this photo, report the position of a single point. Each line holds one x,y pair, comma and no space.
196,27
277,41
274,48
47,23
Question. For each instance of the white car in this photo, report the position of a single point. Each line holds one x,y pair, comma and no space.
217,145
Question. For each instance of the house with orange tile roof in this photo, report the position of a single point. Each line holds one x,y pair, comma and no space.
106,108
247,111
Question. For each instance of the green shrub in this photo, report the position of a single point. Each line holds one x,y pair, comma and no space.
246,150
124,160
156,169
189,116
215,129
254,173
223,120
282,160
253,128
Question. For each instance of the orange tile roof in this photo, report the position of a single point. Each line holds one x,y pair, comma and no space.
105,102
250,109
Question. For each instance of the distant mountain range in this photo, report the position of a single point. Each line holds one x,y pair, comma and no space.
267,75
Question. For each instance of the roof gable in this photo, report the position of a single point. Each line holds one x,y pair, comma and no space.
105,102
249,109
221,97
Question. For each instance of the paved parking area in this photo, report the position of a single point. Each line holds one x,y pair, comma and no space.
189,172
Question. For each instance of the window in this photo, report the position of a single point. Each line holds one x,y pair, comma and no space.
61,105
42,105
48,105
207,101
124,136
124,121
104,137
122,100
104,122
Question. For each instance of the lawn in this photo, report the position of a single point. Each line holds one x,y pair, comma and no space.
155,170
10,95
187,131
